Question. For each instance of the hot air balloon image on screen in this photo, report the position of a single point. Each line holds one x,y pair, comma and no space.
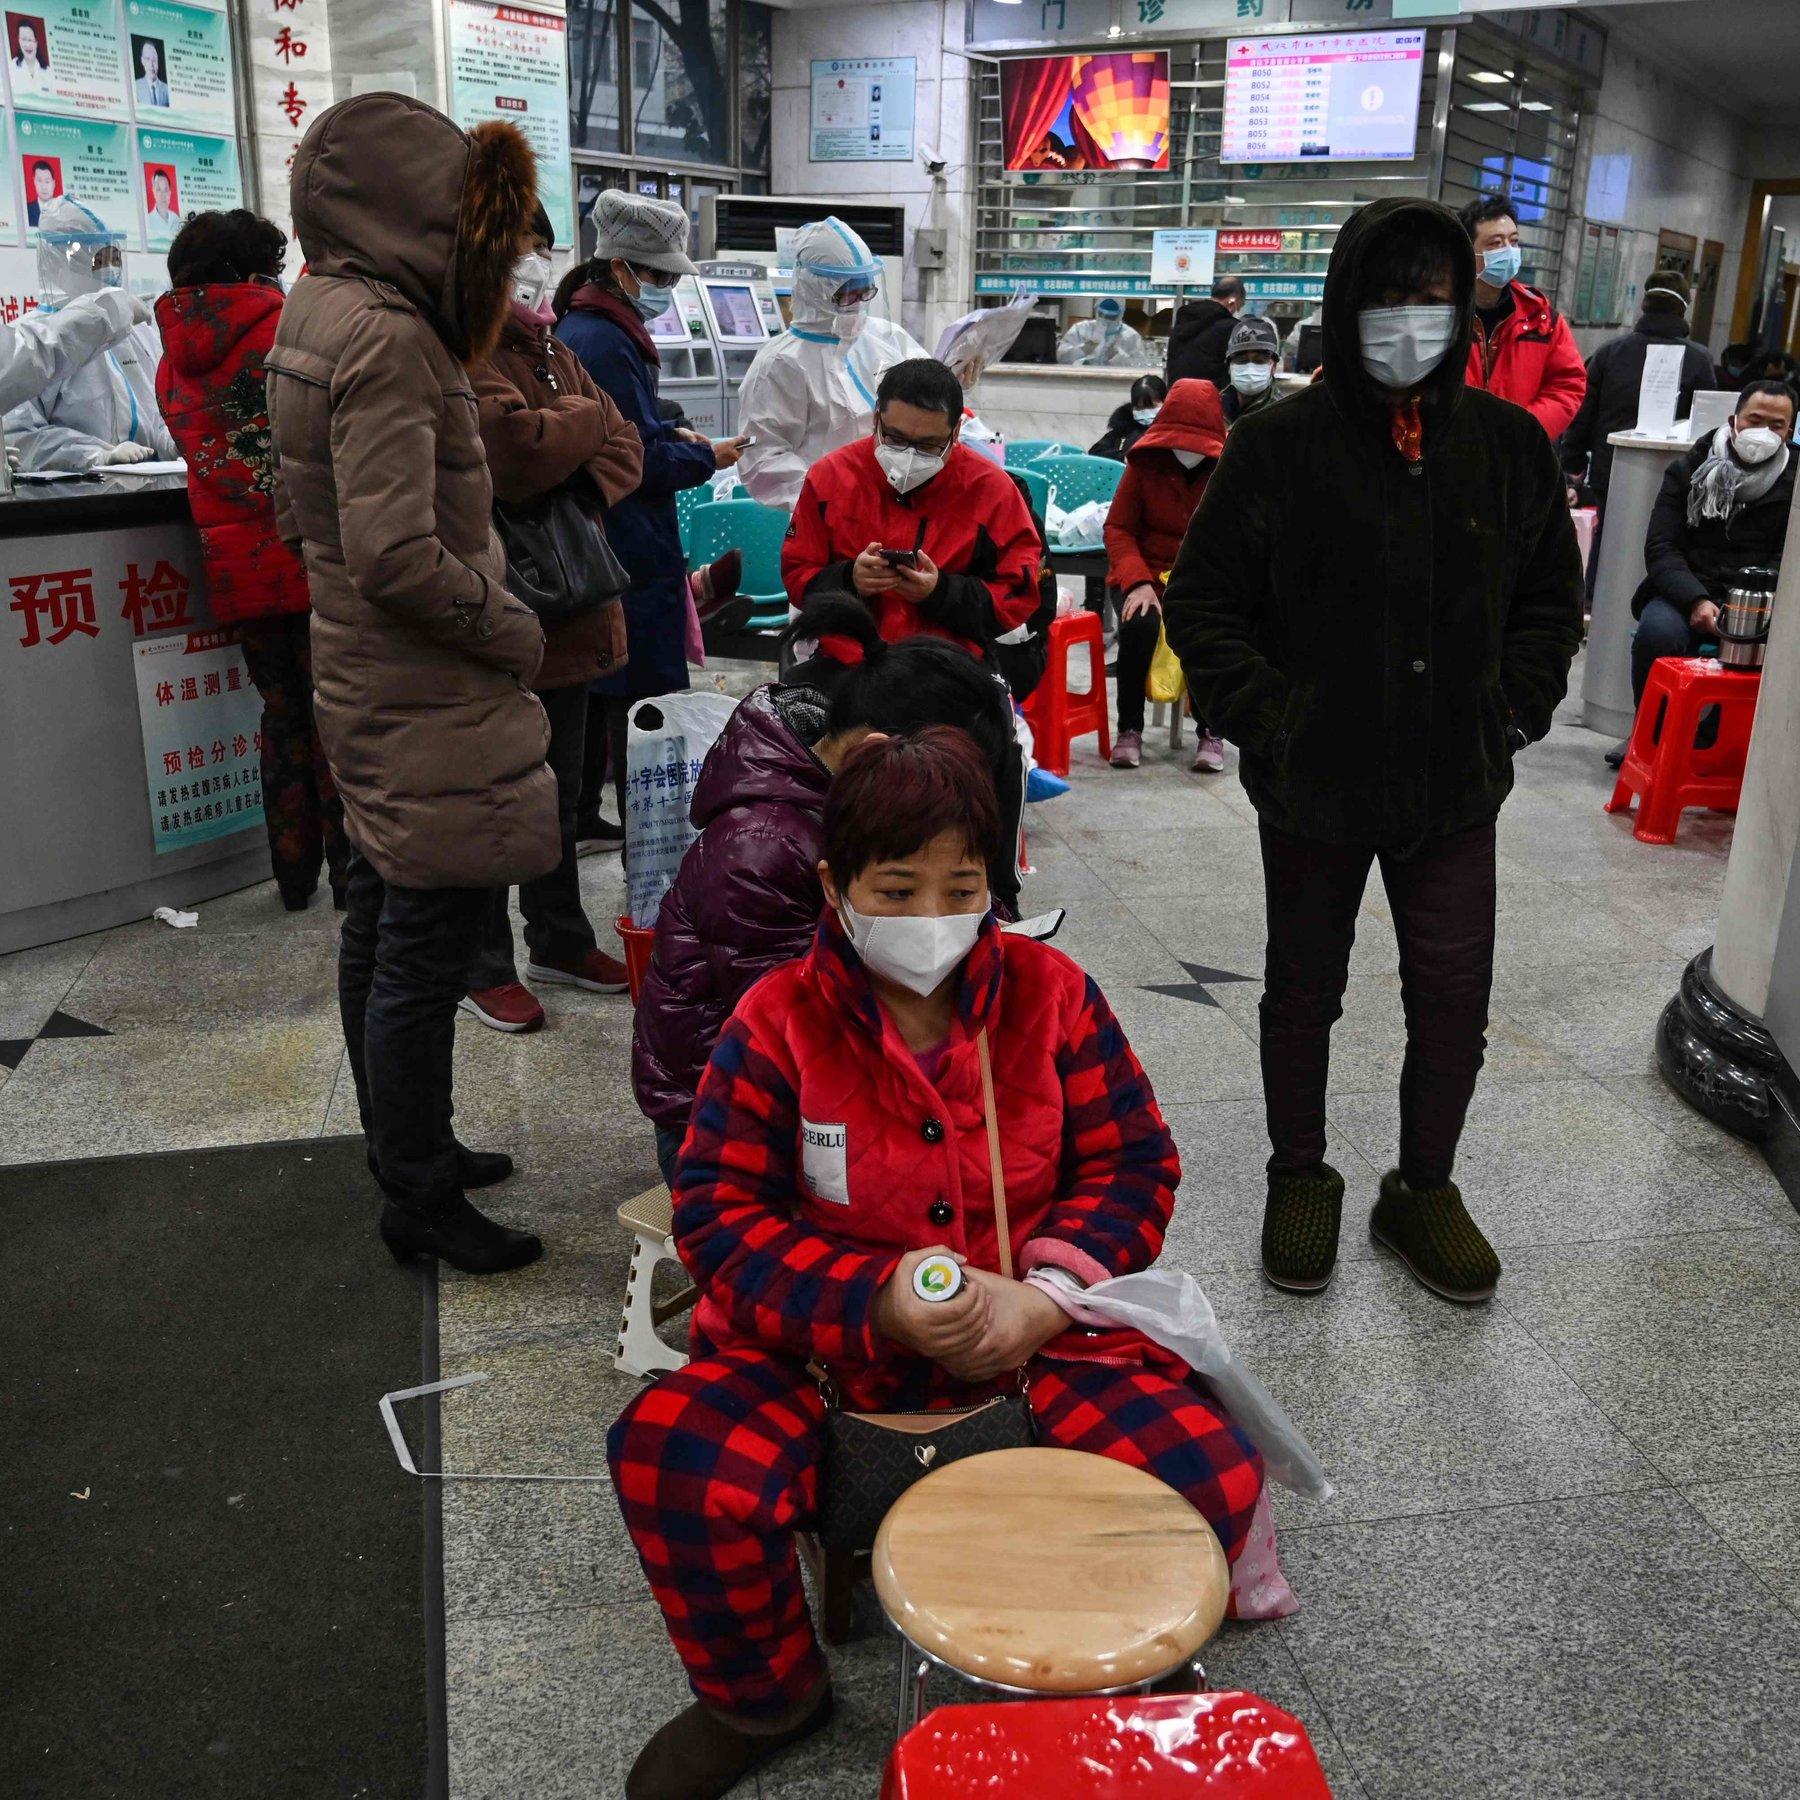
1086,112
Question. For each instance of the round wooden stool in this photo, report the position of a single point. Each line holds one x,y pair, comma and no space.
1046,1572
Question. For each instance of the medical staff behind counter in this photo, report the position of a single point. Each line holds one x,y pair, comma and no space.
1106,340
812,389
101,409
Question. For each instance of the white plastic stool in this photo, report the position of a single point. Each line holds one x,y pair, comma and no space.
649,1217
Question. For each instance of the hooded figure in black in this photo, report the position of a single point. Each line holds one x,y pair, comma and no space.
1378,601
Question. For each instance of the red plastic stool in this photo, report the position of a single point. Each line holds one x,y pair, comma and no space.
1135,1747
1662,767
1057,716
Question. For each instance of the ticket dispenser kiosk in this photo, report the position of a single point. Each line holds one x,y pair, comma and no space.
690,360
740,307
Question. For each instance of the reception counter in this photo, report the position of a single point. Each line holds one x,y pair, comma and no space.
1637,472
1065,403
116,801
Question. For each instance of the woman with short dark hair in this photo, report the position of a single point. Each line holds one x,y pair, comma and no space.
841,1135
218,321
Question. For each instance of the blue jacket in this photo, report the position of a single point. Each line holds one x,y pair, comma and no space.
642,528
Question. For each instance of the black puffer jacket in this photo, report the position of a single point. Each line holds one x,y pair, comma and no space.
1122,431
1378,635
1615,373
1685,563
1198,339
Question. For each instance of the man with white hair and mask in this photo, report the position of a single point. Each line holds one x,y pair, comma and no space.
812,389
1106,340
98,408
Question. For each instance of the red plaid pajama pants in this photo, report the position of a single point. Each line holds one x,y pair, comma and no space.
717,1465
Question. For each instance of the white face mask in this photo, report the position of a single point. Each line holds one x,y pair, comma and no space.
918,951
1756,445
908,469
1144,415
531,280
848,321
1251,377
1401,345
1190,459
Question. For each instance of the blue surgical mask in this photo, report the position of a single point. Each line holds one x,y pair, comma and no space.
1144,415
1498,267
653,302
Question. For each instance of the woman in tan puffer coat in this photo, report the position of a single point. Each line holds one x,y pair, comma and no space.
422,661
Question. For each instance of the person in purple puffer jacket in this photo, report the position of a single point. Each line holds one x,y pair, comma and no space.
747,896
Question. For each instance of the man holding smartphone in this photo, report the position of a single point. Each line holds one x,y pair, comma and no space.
931,537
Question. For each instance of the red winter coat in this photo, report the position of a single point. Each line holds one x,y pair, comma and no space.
969,518
818,1151
1149,514
211,386
1531,361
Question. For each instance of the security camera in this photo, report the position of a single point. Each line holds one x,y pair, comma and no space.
935,165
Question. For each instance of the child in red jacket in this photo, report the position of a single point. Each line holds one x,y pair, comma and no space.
1166,472
217,324
840,1135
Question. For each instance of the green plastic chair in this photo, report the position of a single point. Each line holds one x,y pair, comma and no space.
1027,450
1075,480
686,500
756,533
1037,485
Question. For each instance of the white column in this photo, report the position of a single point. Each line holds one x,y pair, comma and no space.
1762,865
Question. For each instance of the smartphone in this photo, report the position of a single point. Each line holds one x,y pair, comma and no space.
900,559
744,442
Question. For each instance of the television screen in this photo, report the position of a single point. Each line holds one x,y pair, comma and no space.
1337,97
1086,112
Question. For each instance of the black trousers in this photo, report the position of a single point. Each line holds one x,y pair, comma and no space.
1136,646
1662,630
1442,896
556,925
604,745
403,964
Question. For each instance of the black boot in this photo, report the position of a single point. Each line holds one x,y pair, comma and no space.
455,1232
697,1756
474,1169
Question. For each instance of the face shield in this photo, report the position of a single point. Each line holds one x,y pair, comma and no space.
76,254
835,276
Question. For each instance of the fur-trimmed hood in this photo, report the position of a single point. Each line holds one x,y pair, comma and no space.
387,188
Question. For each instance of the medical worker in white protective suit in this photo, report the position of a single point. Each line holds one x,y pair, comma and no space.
101,409
812,389
1106,340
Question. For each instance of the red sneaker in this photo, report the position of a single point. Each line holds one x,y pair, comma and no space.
513,1007
596,971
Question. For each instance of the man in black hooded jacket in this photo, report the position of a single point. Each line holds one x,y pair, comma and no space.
1201,332
1378,601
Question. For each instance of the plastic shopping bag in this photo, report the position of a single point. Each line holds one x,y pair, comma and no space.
666,741
1171,1309
1083,527
1165,684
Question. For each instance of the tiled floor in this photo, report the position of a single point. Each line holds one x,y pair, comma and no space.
1562,1555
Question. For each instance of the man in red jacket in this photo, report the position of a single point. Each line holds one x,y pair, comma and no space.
1523,349
931,537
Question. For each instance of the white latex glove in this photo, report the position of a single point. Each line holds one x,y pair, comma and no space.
120,309
129,453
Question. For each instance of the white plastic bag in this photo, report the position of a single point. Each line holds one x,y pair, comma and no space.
1171,1309
666,741
1083,527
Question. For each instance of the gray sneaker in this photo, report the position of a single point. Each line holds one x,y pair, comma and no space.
1128,750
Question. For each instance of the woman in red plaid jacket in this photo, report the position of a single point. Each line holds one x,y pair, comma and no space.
839,1135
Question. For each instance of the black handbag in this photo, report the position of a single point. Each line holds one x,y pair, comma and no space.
557,558
871,1459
